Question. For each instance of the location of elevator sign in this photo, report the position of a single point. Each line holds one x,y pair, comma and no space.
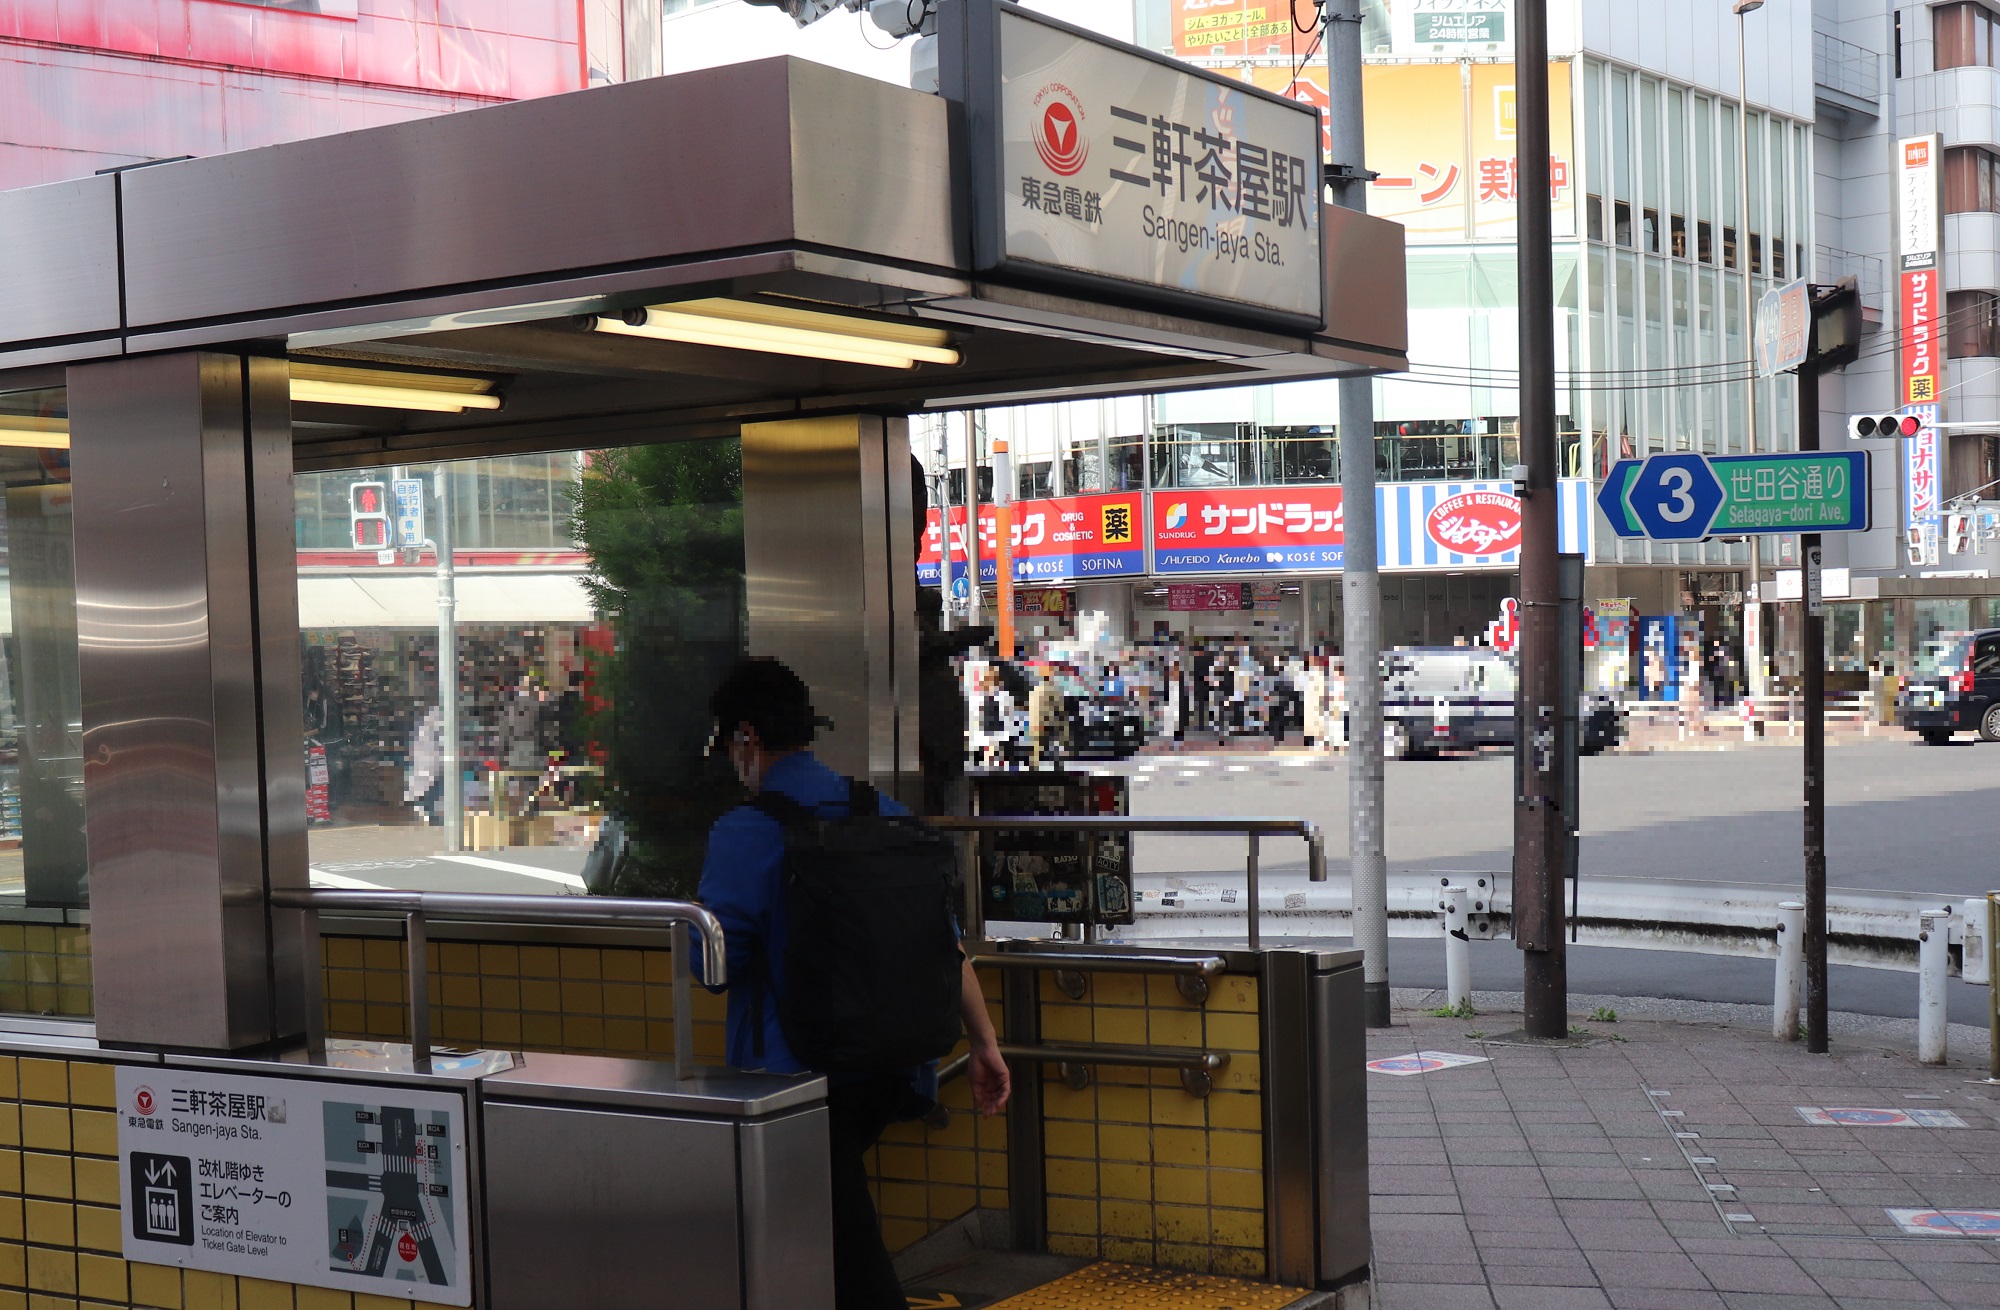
354,1186
1683,496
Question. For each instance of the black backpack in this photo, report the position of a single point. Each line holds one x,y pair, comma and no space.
872,970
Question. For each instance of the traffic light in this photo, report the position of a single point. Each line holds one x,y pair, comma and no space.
1957,533
1877,426
368,515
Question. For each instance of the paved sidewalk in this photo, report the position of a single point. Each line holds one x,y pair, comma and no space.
1660,1163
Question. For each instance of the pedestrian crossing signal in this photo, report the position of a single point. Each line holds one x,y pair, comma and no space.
1877,426
368,515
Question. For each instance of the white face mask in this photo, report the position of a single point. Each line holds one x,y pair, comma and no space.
747,762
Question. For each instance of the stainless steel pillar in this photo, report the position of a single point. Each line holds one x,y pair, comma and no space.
187,619
832,576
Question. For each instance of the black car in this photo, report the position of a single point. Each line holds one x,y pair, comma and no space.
1955,688
1104,727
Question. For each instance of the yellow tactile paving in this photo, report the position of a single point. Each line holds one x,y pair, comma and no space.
1130,1287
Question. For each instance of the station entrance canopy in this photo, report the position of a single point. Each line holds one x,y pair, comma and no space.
775,251
474,242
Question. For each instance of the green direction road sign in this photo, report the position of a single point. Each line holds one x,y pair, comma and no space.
1685,497
1799,491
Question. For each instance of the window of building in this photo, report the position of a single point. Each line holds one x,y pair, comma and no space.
1756,254
1677,233
1593,217
1729,247
1704,242
1621,223
1205,455
1967,35
1651,224
580,685
1300,454
1969,179
324,8
44,883
1972,324
1704,161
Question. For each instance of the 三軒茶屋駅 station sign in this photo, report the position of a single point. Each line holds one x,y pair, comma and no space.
1098,164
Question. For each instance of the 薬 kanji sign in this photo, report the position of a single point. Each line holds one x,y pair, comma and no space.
1686,497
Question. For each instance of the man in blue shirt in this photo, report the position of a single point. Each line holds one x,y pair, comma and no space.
764,721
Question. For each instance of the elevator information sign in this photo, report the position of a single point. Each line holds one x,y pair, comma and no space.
345,1185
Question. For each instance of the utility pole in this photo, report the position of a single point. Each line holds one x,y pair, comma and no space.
1812,655
1361,581
1539,837
1753,605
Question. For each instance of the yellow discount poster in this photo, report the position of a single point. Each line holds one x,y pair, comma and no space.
1441,139
1491,170
1417,143
1240,27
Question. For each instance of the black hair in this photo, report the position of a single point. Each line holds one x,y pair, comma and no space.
770,698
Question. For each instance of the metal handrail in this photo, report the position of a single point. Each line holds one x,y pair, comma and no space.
1254,828
1200,966
1137,1057
416,908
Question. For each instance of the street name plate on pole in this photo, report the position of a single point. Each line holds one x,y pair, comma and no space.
409,495
1784,320
354,1186
1815,581
1686,497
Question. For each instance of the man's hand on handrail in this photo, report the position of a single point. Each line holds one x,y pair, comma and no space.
991,1082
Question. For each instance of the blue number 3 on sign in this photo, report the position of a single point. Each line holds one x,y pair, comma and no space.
1675,497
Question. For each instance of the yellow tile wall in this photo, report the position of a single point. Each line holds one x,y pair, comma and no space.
1137,1169
585,1000
60,1226
45,969
926,1177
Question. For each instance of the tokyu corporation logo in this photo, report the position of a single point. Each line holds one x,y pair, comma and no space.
1059,130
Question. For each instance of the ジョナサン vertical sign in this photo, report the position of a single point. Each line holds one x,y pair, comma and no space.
1099,164
1920,278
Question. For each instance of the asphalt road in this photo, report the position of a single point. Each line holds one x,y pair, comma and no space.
1900,815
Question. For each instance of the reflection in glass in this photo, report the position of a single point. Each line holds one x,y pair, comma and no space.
44,871
597,598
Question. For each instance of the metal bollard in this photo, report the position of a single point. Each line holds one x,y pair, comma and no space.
1791,970
1993,988
1933,966
1972,961
1453,903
